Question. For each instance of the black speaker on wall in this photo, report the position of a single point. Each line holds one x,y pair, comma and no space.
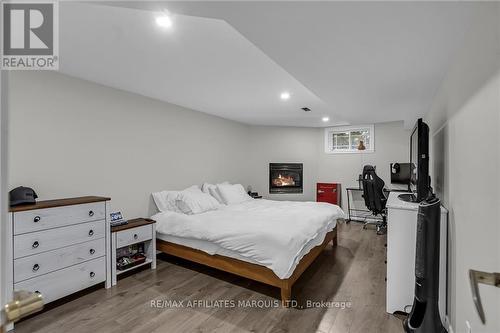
424,316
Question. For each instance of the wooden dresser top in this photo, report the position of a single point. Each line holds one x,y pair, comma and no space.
58,203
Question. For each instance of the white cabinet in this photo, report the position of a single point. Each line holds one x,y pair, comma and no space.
401,245
136,231
134,235
66,281
48,218
46,262
51,239
59,247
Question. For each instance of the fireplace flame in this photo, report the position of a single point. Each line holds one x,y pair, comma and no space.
283,181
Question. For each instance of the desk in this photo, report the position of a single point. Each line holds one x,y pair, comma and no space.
362,214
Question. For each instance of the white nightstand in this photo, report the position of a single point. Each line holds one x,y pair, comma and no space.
135,232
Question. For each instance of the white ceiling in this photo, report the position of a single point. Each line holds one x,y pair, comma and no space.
360,62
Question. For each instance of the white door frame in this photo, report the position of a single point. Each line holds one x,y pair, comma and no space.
4,236
2,261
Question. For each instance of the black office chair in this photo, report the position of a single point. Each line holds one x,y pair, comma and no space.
375,198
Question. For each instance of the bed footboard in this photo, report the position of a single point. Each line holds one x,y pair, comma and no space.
248,270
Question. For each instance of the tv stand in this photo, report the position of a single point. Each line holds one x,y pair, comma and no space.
408,197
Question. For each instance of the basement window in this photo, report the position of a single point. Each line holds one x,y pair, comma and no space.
347,139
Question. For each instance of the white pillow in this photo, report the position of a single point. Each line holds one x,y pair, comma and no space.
205,187
212,190
166,200
194,201
215,193
232,194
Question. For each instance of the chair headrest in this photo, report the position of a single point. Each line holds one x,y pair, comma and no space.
368,168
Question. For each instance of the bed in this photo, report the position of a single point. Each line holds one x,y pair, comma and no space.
272,242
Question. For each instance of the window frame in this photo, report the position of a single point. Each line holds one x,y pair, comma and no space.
329,131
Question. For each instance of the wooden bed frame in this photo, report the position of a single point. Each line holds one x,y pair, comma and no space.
246,269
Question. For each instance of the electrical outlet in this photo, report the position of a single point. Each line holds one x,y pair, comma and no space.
468,327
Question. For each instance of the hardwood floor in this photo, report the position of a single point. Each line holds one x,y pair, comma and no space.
353,272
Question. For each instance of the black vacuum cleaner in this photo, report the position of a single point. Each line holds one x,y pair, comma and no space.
424,316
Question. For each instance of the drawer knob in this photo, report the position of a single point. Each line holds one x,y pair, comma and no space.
135,236
37,219
91,213
92,274
35,244
92,251
91,232
36,267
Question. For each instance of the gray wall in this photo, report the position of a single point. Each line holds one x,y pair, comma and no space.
306,145
392,144
465,155
69,137
72,137
270,144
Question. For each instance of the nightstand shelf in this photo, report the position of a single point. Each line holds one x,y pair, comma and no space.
136,234
148,261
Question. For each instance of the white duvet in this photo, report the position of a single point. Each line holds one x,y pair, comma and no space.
275,234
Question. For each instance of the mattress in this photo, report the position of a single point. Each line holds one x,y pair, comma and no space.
274,234
212,248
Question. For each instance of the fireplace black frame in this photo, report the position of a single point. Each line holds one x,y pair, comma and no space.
295,167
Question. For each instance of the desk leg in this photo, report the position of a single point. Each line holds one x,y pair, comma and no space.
348,208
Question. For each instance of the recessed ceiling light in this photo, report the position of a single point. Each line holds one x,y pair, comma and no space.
325,119
164,21
285,95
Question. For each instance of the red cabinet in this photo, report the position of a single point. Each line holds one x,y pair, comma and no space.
328,192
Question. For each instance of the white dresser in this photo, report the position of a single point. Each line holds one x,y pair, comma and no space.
401,247
59,246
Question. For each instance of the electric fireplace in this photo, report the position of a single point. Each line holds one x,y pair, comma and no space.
285,178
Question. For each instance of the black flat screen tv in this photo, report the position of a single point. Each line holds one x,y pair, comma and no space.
419,163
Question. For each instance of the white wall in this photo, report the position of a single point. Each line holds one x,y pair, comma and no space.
69,137
392,144
465,154
306,145
270,144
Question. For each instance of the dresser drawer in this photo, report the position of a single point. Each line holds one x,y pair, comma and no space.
41,241
66,281
46,262
41,219
134,235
